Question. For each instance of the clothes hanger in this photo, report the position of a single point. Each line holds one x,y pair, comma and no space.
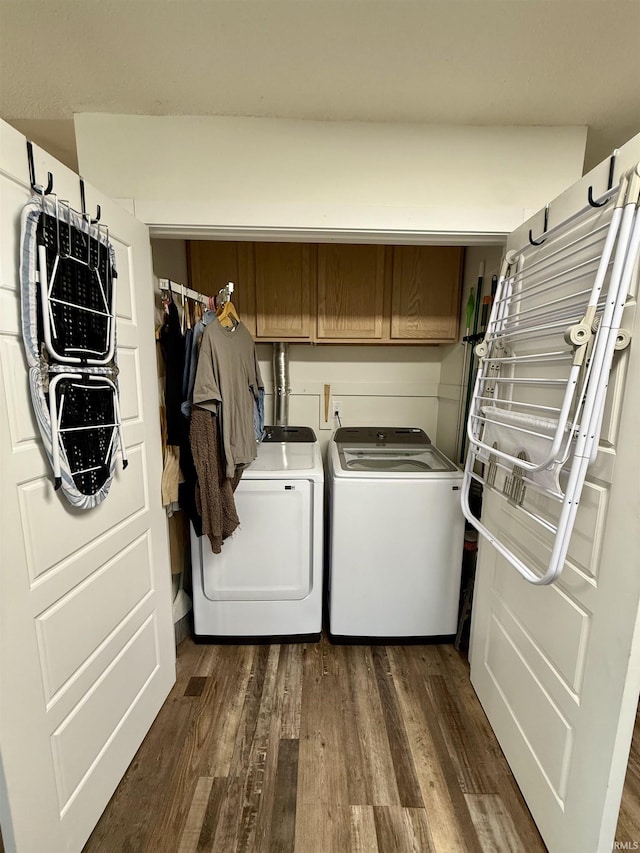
228,316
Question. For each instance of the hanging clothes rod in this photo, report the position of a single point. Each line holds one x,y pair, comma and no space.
166,284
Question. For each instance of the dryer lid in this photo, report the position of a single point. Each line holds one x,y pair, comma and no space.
286,460
289,434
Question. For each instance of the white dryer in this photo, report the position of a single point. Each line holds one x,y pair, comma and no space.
396,536
267,582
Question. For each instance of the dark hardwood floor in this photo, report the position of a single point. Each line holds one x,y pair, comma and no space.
628,829
318,748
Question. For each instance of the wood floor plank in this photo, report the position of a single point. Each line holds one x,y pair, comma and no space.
459,739
188,655
142,790
263,757
322,773
209,659
405,772
283,823
220,715
364,724
390,829
195,818
381,730
265,815
250,710
211,816
440,803
291,661
494,825
484,746
363,837
461,810
332,661
419,829
195,685
399,830
349,744
323,828
225,823
205,750
259,707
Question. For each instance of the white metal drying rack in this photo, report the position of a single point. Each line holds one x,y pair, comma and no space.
540,389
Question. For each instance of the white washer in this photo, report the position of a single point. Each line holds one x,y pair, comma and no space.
267,582
396,535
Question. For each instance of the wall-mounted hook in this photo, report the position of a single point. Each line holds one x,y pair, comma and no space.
544,230
37,188
612,164
84,205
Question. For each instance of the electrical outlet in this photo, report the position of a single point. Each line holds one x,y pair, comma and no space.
336,409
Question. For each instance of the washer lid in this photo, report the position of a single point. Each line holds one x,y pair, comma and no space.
380,436
397,459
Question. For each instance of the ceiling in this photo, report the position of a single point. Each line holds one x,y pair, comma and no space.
513,62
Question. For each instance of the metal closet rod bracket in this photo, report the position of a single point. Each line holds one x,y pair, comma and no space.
224,294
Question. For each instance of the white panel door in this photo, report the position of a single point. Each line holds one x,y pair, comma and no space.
557,668
87,650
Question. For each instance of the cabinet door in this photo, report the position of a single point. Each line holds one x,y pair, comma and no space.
283,290
214,263
426,293
350,292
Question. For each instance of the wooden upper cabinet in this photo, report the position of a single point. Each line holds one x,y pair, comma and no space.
283,281
214,263
425,302
336,293
350,292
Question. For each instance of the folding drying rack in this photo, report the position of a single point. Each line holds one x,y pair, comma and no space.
540,388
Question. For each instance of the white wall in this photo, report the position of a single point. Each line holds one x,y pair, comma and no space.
244,173
280,177
376,386
169,259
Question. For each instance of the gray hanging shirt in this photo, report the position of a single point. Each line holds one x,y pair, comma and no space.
227,383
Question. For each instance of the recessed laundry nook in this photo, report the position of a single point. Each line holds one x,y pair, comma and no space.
320,507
